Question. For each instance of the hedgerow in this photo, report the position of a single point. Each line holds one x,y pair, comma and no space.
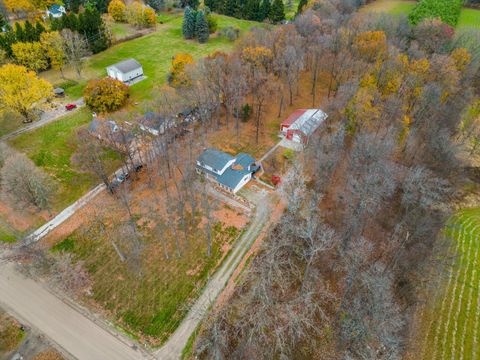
447,10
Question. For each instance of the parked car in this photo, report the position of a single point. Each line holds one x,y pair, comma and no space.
138,167
69,107
123,176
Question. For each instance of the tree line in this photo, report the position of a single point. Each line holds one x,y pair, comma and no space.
256,10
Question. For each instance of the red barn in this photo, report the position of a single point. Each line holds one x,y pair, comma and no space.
301,124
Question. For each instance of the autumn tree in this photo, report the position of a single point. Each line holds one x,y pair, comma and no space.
370,44
19,7
178,72
30,55
75,47
105,95
117,10
140,16
52,44
21,91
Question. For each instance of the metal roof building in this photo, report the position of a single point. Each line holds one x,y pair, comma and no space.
302,124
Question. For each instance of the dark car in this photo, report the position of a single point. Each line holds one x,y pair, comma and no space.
69,107
138,167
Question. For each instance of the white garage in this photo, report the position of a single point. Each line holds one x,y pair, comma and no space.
126,71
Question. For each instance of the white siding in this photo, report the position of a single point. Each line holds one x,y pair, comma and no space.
245,180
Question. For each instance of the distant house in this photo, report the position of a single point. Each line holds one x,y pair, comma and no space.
301,124
126,70
156,124
228,172
56,11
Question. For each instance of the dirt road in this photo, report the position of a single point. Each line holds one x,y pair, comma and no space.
172,349
33,304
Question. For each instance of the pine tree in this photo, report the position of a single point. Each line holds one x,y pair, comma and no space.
188,26
201,27
264,10
39,29
231,8
3,20
30,32
277,12
252,10
301,5
20,33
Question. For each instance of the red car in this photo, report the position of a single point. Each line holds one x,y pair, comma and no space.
70,106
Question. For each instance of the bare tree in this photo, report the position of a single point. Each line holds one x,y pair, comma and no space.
75,48
25,184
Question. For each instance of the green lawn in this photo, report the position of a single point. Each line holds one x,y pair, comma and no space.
468,17
454,318
52,148
154,52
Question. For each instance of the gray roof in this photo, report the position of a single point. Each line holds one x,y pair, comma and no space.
232,175
127,65
94,125
309,121
214,158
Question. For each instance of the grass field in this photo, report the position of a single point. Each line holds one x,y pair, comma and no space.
153,51
468,17
149,305
52,148
454,319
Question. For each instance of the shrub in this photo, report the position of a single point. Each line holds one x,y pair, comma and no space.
230,32
117,10
140,16
105,95
212,24
447,10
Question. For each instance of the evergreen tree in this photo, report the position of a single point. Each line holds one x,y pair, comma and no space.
252,10
191,3
264,10
301,5
74,6
231,8
3,20
7,39
39,29
30,32
20,33
214,5
201,27
188,26
277,12
157,5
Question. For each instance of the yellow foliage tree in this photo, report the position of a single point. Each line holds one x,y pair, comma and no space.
140,16
19,6
178,73
462,58
30,55
370,44
117,10
52,44
257,56
21,90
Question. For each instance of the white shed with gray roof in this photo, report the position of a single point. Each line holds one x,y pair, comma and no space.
126,70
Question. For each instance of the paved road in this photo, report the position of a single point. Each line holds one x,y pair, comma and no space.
172,350
46,118
82,338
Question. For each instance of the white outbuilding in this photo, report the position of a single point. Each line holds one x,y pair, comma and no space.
126,71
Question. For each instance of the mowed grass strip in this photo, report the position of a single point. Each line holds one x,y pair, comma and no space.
455,315
53,147
469,18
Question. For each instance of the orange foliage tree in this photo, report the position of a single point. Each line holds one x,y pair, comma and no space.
105,95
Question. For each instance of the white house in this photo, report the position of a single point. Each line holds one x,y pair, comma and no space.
228,172
56,11
126,70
